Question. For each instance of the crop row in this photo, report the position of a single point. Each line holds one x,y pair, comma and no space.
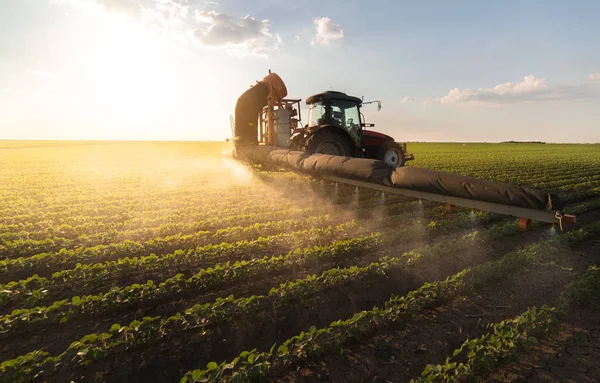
504,340
534,177
135,225
65,258
144,201
65,310
132,207
126,220
150,329
162,245
26,243
129,219
35,288
254,366
18,210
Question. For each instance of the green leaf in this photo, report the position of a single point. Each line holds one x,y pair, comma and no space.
212,366
426,370
197,374
283,350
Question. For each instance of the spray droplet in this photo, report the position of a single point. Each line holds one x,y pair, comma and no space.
420,209
472,217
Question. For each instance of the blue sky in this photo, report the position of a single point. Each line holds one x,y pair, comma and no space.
173,69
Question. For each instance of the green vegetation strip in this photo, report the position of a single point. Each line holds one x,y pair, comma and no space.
151,329
153,204
96,233
24,248
583,207
65,310
133,248
148,330
254,366
34,289
504,341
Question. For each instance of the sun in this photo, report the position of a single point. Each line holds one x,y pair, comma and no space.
128,79
128,72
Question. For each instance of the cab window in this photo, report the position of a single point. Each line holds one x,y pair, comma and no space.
345,114
316,114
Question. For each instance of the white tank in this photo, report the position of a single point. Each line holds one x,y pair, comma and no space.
282,128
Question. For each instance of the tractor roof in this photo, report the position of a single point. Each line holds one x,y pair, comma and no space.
331,95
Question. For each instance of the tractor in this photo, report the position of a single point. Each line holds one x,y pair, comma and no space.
335,124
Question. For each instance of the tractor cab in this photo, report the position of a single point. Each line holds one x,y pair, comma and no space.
336,126
335,110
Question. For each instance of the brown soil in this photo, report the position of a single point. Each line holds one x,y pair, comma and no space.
572,355
401,353
62,335
168,360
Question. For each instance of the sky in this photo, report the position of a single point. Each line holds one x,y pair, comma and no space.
466,71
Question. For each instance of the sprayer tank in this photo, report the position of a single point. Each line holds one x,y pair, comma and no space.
282,128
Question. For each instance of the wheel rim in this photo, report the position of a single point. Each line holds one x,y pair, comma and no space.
331,147
392,157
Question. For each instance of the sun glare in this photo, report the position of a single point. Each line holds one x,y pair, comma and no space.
128,76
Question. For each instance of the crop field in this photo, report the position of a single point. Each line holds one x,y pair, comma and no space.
167,262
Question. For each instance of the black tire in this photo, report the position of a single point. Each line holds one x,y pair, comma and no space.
391,153
328,141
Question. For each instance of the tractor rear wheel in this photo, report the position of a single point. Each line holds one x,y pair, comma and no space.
327,141
391,154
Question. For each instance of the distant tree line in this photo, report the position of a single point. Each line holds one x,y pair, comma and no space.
523,142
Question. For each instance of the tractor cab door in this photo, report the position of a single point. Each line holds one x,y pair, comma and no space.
345,114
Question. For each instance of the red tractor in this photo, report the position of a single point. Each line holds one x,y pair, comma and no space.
335,124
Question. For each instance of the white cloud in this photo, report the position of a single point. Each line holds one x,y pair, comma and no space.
188,21
407,99
240,36
531,88
326,30
594,76
130,7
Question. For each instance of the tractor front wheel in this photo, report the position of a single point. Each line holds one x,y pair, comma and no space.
327,141
391,154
